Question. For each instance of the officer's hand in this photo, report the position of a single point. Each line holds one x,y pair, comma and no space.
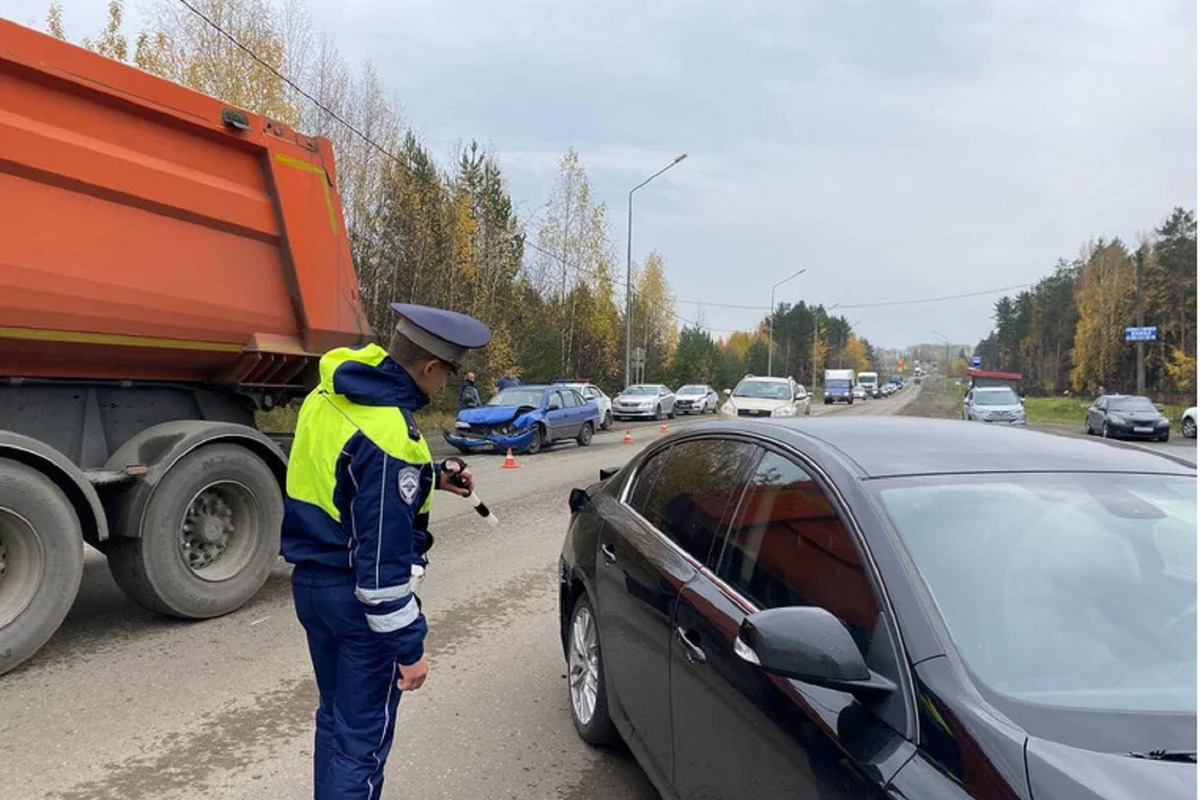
466,480
413,676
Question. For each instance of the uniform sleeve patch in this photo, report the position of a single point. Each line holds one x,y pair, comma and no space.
410,484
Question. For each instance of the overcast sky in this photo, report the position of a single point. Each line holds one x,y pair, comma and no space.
894,149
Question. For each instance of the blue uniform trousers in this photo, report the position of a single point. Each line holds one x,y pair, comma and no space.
356,679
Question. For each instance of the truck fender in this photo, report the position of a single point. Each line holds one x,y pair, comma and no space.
68,477
158,449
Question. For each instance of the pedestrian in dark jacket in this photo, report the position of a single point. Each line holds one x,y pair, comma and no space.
468,395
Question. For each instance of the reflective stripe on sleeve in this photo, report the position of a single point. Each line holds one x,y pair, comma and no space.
386,623
374,597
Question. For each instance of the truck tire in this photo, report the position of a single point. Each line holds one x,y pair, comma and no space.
209,535
41,560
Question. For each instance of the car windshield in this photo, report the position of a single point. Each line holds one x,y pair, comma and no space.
996,397
1064,591
766,390
641,390
1129,404
518,396
690,389
838,383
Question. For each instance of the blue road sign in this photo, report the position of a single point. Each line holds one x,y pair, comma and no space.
976,362
1147,334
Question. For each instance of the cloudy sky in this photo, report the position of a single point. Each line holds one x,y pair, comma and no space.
895,149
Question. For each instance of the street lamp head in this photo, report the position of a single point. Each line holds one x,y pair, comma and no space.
679,158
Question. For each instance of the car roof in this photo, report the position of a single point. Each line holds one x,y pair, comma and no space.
892,446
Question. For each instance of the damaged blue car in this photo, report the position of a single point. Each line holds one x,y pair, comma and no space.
526,419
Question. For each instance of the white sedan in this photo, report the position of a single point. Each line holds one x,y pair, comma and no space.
696,398
1188,423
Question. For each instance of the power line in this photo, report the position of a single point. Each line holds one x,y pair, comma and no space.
936,299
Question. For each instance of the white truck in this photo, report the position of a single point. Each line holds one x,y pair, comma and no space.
869,381
839,386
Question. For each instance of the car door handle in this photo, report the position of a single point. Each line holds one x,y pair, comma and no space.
610,554
691,651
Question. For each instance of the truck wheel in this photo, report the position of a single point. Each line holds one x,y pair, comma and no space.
209,535
41,561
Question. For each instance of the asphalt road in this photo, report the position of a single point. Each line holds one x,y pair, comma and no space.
123,704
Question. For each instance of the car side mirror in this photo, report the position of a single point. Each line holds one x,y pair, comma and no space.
809,644
578,500
727,391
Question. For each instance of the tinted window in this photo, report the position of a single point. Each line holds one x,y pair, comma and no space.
787,547
693,484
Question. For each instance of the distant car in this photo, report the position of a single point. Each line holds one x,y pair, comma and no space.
1122,416
758,396
1187,424
865,608
525,418
998,404
897,381
695,398
645,401
591,391
859,392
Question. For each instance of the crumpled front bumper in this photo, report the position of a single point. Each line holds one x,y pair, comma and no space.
499,442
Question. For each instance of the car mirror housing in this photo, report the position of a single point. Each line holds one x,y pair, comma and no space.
578,500
808,644
727,391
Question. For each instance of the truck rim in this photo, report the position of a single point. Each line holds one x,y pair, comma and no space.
219,531
22,564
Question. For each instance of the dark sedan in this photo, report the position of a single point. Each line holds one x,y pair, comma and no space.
785,609
1119,416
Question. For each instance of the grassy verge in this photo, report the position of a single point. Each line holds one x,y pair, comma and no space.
938,399
283,420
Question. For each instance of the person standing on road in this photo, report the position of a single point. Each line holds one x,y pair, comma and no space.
468,395
359,489
506,380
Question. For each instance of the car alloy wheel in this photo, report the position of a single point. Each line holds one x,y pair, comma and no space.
584,665
1188,426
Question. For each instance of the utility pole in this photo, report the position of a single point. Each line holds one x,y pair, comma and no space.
1140,257
816,335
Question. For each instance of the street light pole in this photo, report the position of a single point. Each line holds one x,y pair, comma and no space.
771,335
629,264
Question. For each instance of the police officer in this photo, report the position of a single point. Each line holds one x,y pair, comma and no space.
359,488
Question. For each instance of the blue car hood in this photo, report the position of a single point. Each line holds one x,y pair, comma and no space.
488,415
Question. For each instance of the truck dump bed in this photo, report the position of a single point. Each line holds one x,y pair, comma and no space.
151,232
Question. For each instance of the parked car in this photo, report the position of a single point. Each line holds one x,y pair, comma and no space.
525,418
1187,423
644,400
998,404
1122,416
859,392
758,396
591,391
764,609
696,398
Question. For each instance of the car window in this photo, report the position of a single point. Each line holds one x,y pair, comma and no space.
693,484
555,401
572,398
787,547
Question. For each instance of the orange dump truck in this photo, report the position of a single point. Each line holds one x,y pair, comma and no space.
168,266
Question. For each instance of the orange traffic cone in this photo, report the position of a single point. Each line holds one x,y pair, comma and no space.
509,461
663,428
628,437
